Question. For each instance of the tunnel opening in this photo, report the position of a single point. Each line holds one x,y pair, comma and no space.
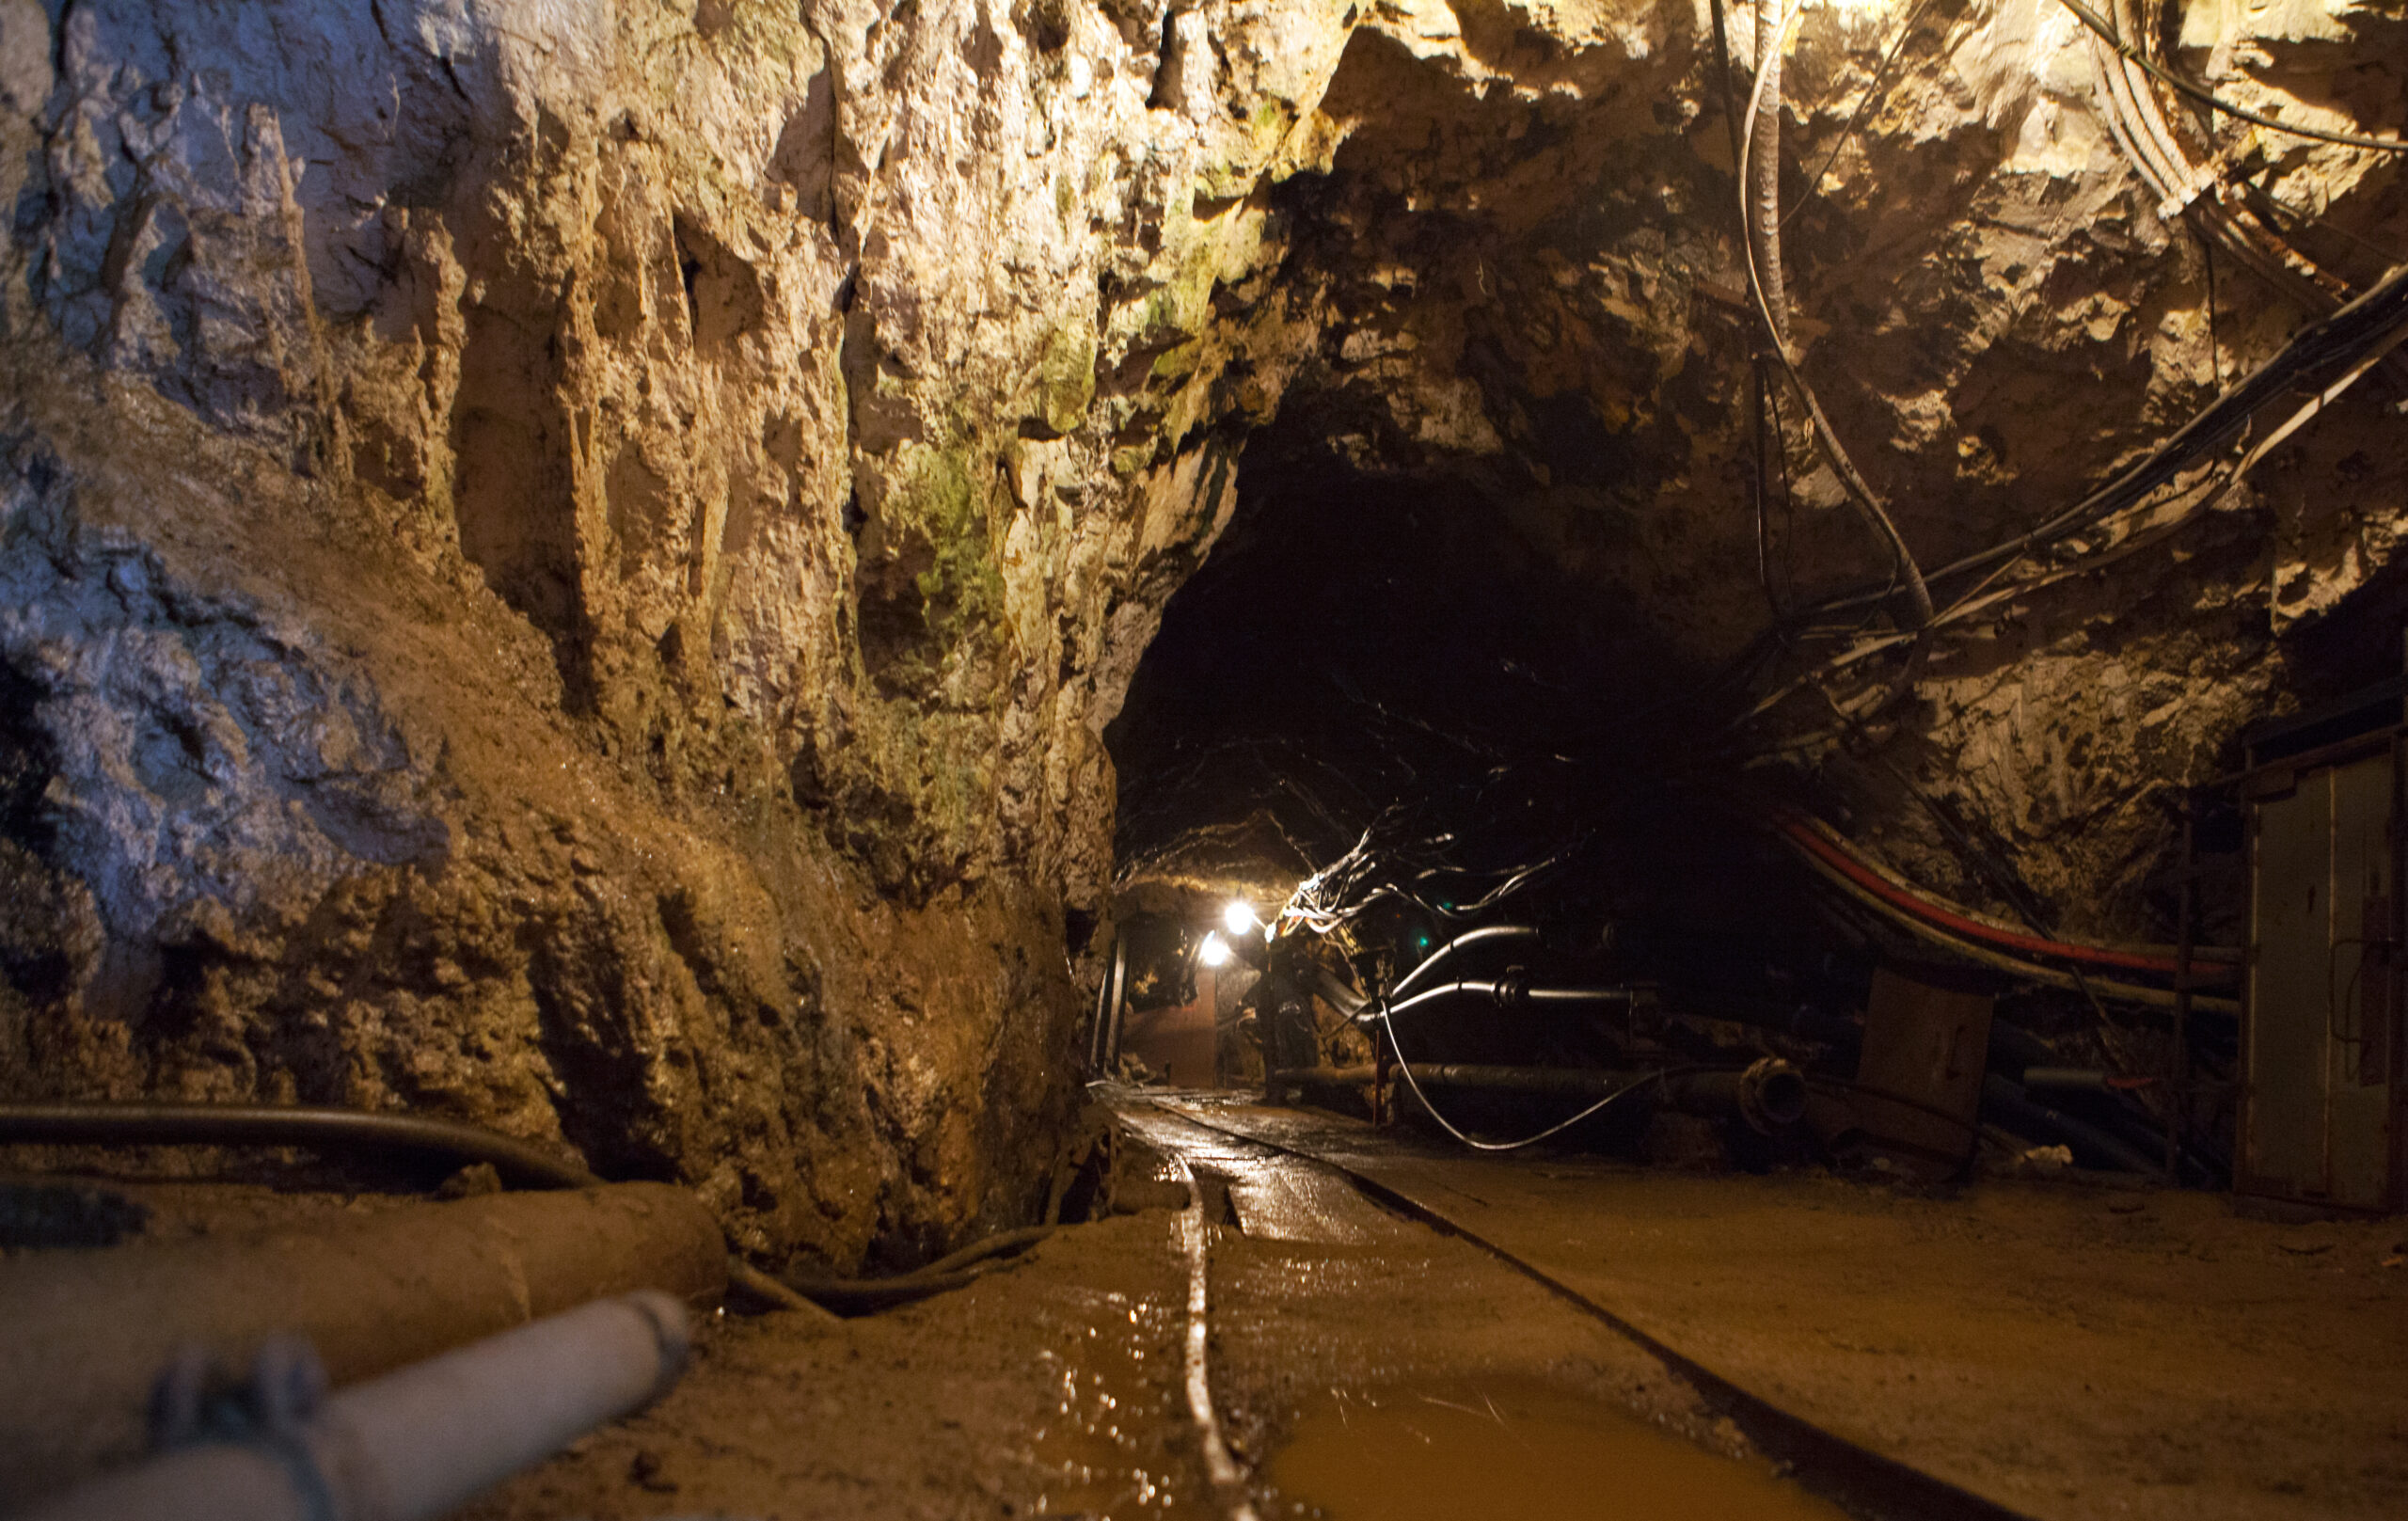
1385,714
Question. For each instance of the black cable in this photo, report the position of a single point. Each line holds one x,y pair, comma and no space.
520,1163
1872,89
957,1270
2201,93
2325,342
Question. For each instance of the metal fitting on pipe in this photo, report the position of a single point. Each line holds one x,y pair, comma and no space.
1769,1094
416,1444
1430,964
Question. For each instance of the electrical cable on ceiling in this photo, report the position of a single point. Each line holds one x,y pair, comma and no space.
2199,92
1872,91
2204,497
2347,334
1760,208
2143,133
2168,172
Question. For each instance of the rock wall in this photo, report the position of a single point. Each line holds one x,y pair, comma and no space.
566,562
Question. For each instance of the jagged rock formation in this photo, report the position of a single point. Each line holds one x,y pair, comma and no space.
567,563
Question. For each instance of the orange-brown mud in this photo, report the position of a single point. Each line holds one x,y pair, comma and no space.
2057,1350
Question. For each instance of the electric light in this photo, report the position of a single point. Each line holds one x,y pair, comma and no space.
1214,952
1240,918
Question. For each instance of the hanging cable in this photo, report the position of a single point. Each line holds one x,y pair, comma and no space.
1760,176
2209,98
1760,485
1760,206
2370,322
1405,1068
1872,91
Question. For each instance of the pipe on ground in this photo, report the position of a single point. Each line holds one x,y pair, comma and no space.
414,1444
2008,1104
84,1334
516,1162
1770,1095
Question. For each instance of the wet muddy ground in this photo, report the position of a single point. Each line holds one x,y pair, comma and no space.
2053,1350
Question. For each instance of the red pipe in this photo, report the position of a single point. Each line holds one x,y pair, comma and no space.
1872,882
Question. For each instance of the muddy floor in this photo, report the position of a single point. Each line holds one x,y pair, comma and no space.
1413,1333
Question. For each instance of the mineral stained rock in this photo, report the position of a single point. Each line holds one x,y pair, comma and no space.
565,564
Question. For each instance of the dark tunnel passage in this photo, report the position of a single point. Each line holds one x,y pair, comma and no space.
1379,705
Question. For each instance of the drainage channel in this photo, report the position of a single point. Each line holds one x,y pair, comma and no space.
1371,1367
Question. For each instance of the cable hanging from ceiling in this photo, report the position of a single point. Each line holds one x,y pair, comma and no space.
1759,177
2140,130
2108,34
2357,337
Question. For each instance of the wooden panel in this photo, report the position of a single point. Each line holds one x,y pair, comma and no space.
1926,1041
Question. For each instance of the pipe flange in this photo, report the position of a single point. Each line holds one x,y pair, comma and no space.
1772,1095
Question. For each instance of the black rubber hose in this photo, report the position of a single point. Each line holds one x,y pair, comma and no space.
855,1296
1504,993
2006,1103
1342,997
1463,942
520,1163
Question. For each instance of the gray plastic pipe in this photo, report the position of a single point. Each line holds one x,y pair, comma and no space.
414,1445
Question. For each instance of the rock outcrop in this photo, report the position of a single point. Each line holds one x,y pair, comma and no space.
567,563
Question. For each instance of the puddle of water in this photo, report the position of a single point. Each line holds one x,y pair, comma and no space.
1500,1449
1102,1454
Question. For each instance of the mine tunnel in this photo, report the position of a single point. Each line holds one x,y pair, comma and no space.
1105,759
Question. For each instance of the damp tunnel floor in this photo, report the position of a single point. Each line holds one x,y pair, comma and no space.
1395,1329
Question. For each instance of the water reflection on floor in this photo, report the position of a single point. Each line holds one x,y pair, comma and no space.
1502,1450
1110,1449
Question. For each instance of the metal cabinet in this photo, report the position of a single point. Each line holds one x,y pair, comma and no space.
2321,1113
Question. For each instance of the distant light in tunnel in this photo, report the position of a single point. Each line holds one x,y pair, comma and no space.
1240,918
1214,952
